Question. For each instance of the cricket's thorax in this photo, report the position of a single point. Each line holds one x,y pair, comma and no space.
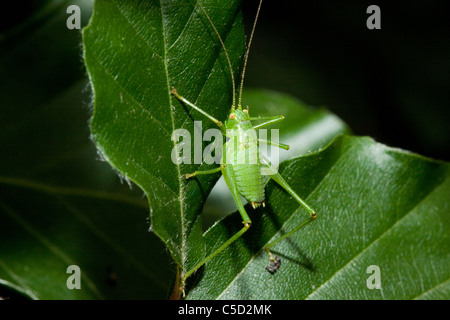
241,156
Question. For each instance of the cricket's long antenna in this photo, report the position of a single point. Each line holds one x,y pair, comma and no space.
226,54
246,56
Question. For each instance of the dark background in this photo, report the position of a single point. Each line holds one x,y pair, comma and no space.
391,84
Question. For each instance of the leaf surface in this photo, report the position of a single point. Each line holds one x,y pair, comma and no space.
377,206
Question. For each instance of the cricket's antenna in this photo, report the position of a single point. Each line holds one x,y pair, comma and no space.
246,56
226,54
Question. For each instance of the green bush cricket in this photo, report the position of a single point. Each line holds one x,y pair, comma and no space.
242,166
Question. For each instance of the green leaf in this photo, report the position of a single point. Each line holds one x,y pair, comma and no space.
134,52
305,129
59,205
376,206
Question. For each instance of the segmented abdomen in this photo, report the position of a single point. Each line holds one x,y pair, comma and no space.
242,153
250,182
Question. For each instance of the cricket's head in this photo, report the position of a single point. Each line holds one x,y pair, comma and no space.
235,117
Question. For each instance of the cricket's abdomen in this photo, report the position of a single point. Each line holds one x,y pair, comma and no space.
241,152
250,182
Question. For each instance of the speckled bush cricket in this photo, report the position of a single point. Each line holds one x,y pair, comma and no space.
244,178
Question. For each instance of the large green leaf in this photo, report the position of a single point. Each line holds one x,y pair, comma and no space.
59,205
134,52
376,206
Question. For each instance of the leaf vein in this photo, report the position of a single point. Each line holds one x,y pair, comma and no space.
154,51
180,182
53,248
405,216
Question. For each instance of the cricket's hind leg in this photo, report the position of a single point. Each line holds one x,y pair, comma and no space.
275,261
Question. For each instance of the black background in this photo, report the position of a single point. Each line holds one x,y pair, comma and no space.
391,84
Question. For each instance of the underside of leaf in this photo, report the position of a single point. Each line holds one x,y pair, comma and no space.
135,51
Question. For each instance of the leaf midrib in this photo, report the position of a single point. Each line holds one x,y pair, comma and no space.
180,176
180,183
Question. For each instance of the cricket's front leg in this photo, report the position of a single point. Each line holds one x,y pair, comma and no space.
270,120
195,173
175,93
279,145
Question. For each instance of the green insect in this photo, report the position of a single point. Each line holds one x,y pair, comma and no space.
241,161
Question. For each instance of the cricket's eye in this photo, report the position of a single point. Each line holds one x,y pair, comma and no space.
232,116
